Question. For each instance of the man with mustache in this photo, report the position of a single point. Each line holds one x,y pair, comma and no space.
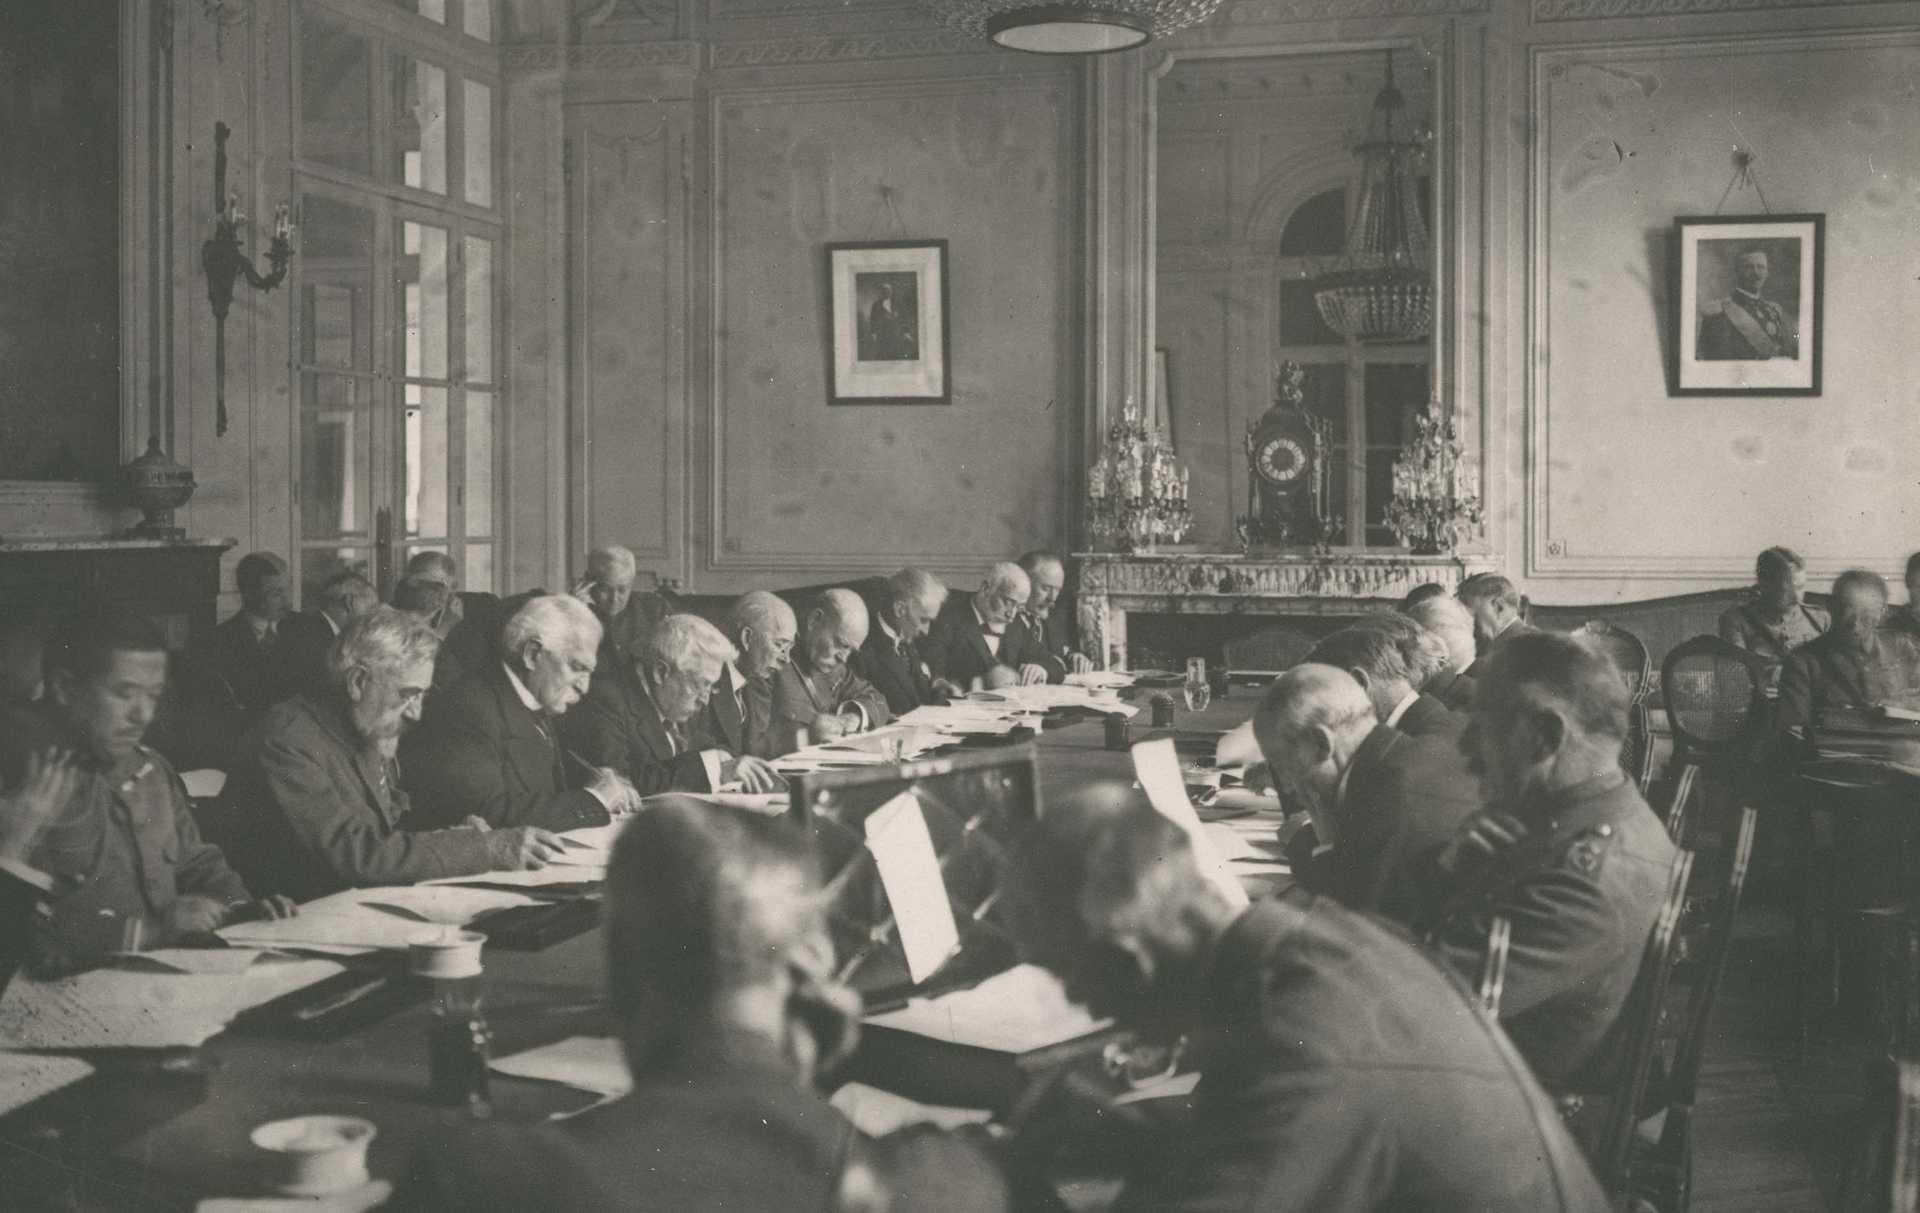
817,694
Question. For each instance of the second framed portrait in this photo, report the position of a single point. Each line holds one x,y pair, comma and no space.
1747,305
888,302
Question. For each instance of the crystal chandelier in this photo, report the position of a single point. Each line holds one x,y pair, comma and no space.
1381,289
1070,27
1137,487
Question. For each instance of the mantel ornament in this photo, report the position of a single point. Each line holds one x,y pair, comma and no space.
1287,472
1137,488
1436,503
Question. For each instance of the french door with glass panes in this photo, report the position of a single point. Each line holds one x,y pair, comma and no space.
395,350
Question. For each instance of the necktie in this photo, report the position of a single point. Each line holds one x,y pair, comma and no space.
676,740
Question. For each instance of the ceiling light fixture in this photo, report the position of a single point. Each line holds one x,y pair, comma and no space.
1071,27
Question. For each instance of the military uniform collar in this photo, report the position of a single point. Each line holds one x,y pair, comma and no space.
1583,805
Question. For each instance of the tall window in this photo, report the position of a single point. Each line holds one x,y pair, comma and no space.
396,354
1367,392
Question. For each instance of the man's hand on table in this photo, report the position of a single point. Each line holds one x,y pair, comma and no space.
267,909
1079,663
754,775
193,914
523,847
615,791
1032,675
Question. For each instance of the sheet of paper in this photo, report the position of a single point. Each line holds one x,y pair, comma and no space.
115,1008
876,1112
1100,678
25,1077
593,838
387,917
1247,798
1175,1086
1022,1009
585,1063
917,893
533,878
1157,765
773,804
445,906
370,1195
1237,747
192,960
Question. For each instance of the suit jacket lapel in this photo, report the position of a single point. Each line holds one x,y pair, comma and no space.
726,709
377,776
525,738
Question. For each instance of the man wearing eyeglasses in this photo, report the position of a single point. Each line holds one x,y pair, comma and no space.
314,804
968,645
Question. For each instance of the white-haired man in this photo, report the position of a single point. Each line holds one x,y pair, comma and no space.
489,745
890,658
817,695
306,637
314,803
625,616
739,716
1029,636
637,716
1450,621
968,643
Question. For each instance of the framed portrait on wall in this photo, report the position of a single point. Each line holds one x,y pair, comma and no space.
1747,304
888,303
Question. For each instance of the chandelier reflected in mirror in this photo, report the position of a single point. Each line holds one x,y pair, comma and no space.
1381,288
1070,27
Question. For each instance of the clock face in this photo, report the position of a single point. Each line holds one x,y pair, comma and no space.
1280,459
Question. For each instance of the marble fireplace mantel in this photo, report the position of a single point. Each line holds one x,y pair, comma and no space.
1203,583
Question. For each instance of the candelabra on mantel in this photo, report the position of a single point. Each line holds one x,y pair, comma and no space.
1436,500
1137,488
224,263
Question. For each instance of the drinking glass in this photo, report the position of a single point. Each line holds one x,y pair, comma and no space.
1198,694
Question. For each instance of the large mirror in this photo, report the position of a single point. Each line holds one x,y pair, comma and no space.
1257,182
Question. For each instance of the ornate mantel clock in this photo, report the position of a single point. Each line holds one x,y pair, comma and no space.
1287,470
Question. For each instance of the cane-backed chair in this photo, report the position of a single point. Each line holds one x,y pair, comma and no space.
1884,1174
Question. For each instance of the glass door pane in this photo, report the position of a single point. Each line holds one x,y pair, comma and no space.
336,93
419,124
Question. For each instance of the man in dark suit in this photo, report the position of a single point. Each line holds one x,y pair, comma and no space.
1566,851
1853,664
890,657
306,637
817,693
720,979
1341,1069
739,715
1030,636
488,747
477,607
638,716
1494,602
1380,800
314,804
627,617
246,648
1389,656
968,642
1448,620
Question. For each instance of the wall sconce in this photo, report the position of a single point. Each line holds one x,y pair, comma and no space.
223,262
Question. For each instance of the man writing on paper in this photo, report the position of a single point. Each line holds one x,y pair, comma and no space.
719,973
636,716
1029,636
489,745
817,693
890,658
1379,800
130,867
1307,1020
968,644
739,715
314,804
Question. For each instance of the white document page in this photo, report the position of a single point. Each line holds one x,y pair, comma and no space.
586,1063
108,1008
1018,1011
1157,765
910,871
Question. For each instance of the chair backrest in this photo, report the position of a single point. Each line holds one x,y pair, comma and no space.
1641,1020
1884,1173
1493,970
1628,653
1271,649
1714,693
1676,817
1636,752
1716,942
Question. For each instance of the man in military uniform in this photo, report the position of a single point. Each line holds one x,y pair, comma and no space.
1342,1069
1854,664
1567,851
129,867
1777,620
1744,326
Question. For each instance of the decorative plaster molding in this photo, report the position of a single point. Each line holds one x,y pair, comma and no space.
774,52
1229,582
1282,12
1602,10
735,10
546,57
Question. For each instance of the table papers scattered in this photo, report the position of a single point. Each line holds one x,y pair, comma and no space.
1018,1011
916,892
595,1064
137,1009
25,1077
367,919
877,1113
370,1195
1103,679
1157,765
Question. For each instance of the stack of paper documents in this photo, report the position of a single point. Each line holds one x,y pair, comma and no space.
1018,1011
361,920
143,1009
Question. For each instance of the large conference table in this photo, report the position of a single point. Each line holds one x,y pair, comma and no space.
143,1141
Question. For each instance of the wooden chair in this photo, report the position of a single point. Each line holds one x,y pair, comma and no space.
1664,1174
1493,969
1628,653
1275,648
1641,1021
1884,1175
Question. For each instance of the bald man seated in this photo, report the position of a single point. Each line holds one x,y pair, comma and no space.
1031,635
1390,656
969,641
817,696
1342,1070
638,716
1380,800
739,714
891,657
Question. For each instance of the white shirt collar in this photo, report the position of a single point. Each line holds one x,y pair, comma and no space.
985,627
735,679
1400,709
887,628
330,623
520,688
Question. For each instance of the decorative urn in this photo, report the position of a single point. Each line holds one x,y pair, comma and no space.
158,486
